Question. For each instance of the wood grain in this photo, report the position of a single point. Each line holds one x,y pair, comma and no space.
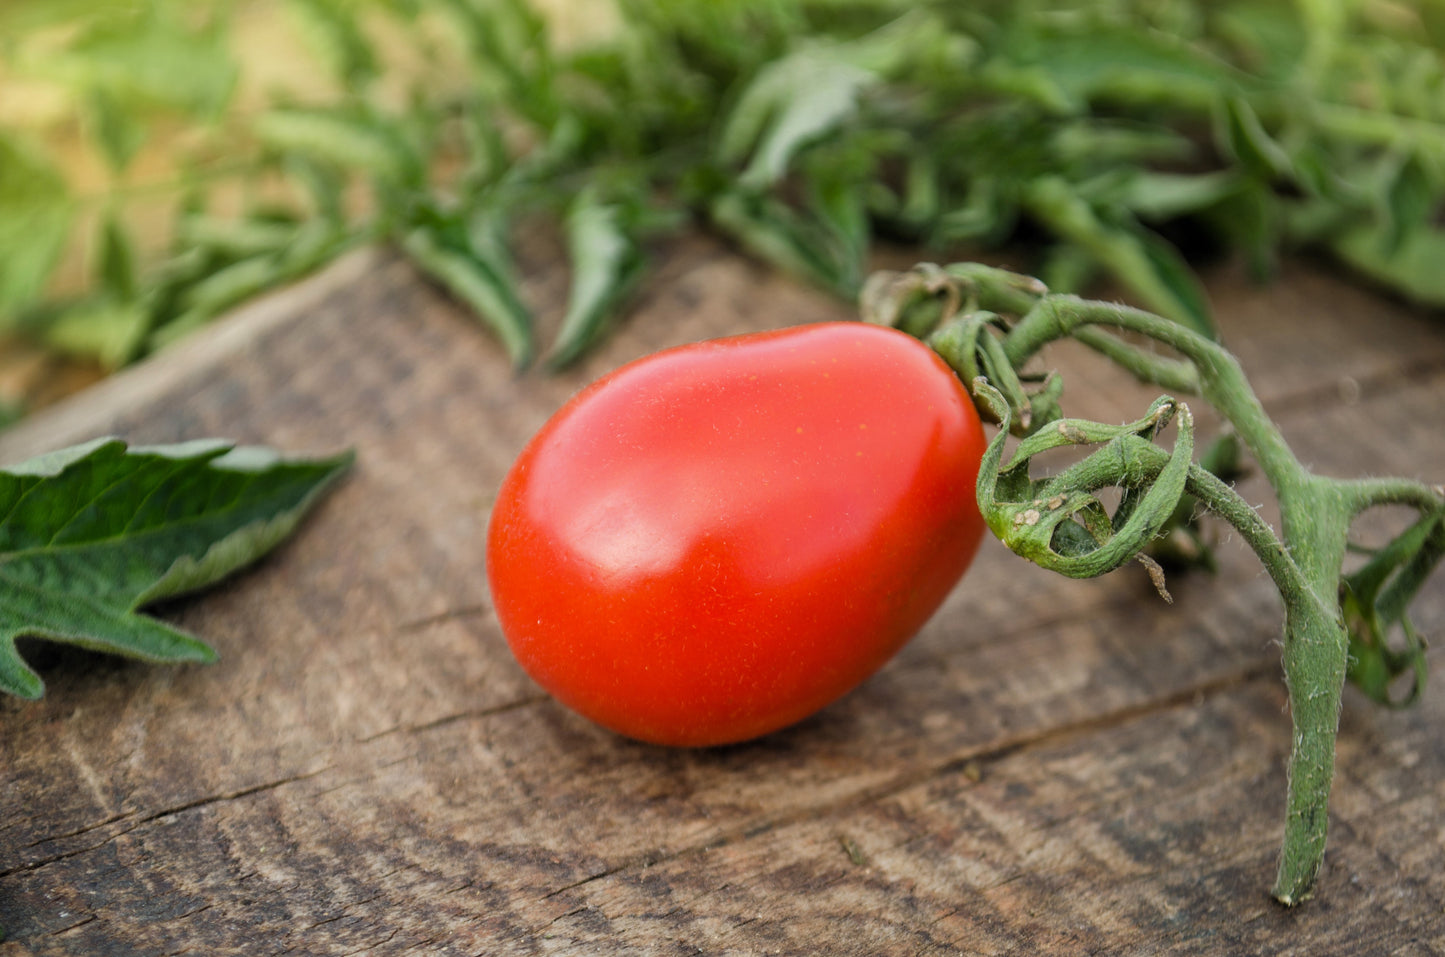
1049,767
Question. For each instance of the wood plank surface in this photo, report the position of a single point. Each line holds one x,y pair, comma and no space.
1050,767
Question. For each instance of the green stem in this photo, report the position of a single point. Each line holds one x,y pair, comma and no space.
1369,493
1173,374
1315,659
1315,517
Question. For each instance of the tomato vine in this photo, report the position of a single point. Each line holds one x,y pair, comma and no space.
989,323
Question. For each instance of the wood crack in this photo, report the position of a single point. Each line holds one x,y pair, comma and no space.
473,715
139,820
451,614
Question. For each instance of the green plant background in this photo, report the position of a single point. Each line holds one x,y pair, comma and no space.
159,165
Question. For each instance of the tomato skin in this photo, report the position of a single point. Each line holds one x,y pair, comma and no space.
716,541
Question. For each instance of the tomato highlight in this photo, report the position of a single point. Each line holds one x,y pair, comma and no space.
718,540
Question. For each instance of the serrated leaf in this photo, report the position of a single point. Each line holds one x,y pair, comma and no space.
90,534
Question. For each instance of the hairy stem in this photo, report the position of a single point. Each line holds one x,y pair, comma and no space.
1315,515
1369,493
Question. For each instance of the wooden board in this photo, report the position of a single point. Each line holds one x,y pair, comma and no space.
1051,766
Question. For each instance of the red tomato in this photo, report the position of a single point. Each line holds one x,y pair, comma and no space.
718,540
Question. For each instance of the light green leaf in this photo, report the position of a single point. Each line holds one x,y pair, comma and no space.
107,331
606,261
90,534
342,141
117,130
332,28
148,56
1410,264
35,217
1160,196
802,96
791,103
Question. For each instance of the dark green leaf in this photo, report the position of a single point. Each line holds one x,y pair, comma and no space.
1243,136
1067,63
92,533
1410,200
787,239
1147,266
1376,600
486,284
117,265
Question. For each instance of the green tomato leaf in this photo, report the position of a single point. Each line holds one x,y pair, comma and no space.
1162,196
342,140
107,331
789,104
332,28
1242,136
1067,63
786,238
1409,200
481,276
148,56
92,533
606,262
116,265
1148,266
35,217
1410,264
117,131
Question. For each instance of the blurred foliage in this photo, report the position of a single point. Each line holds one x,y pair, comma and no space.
1117,139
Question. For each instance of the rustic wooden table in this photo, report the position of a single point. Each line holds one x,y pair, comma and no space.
1051,767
